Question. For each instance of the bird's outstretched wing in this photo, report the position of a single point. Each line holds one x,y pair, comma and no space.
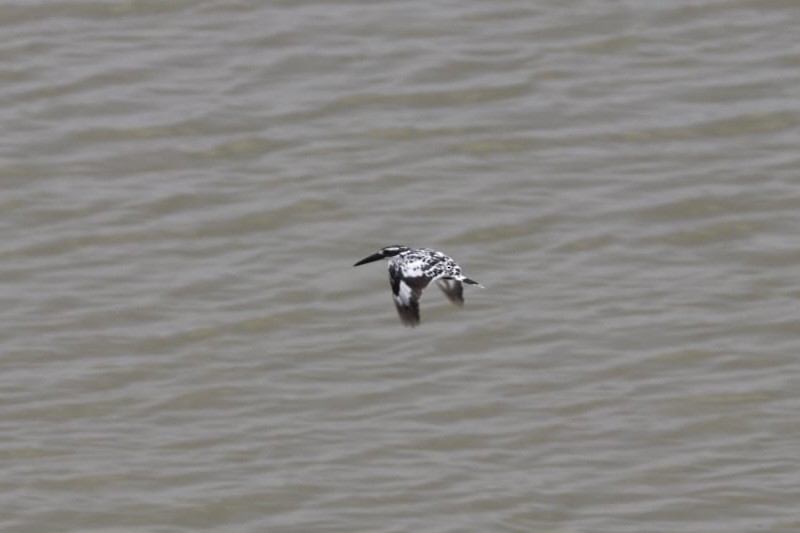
453,289
406,292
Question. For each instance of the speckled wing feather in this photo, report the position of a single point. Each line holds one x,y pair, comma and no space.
406,292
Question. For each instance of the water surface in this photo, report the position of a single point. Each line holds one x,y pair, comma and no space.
185,346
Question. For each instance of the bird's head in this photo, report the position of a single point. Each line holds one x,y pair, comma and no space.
387,251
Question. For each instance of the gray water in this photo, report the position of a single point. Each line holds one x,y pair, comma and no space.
185,346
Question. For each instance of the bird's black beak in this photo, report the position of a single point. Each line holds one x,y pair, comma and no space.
370,259
470,281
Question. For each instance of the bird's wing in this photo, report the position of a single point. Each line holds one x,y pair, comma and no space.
453,289
406,293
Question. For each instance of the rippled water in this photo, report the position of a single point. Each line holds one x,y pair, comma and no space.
185,345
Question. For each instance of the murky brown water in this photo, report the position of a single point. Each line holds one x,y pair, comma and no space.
185,346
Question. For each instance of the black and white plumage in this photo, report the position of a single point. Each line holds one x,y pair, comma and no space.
411,270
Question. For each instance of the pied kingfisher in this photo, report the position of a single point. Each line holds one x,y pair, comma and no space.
412,270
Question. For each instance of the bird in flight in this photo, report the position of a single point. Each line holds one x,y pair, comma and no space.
411,270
